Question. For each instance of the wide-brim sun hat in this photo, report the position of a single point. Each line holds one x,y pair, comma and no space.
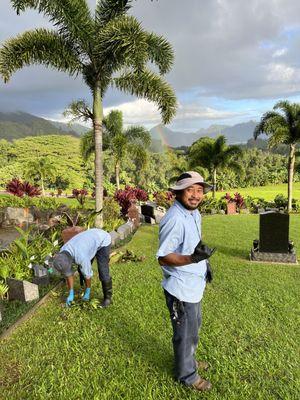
190,178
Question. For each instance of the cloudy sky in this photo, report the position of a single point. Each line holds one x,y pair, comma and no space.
233,60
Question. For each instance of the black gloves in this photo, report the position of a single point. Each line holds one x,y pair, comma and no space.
201,252
209,273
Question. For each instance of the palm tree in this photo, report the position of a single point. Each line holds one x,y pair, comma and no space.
133,141
109,48
283,126
214,155
40,169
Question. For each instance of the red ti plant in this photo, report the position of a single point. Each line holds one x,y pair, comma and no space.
20,189
237,199
80,195
128,196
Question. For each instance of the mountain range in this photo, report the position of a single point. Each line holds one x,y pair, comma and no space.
17,125
236,134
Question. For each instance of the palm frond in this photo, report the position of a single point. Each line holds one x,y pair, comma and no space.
151,86
79,109
160,52
121,43
39,46
106,10
268,122
137,151
138,134
114,123
87,145
71,17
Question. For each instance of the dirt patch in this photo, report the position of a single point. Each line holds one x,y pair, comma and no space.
12,372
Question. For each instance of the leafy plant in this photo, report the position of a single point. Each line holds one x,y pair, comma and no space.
129,195
80,195
3,290
111,214
164,199
20,189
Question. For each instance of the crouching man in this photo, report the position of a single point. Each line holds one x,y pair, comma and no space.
81,250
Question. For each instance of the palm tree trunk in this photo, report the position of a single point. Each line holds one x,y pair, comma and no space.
97,123
43,188
117,172
214,182
291,175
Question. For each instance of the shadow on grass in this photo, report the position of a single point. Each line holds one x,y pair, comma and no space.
233,252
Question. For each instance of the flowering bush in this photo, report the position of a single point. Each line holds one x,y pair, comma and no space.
80,195
128,196
20,189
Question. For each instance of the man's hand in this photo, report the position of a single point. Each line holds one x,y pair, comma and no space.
201,252
70,298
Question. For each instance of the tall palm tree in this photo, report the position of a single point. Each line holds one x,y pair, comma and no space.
106,48
40,169
213,155
133,141
283,126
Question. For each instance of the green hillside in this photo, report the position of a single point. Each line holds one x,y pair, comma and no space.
19,125
63,151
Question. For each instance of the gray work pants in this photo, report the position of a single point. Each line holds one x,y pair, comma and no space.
186,322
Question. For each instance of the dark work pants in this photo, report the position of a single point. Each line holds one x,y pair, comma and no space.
186,322
102,257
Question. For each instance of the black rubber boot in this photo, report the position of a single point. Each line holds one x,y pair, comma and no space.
107,292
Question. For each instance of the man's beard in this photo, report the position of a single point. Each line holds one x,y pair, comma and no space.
187,206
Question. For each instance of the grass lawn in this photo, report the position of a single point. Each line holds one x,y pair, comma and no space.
266,192
250,332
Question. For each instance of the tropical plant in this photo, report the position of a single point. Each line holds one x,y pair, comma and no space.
39,170
80,195
3,290
128,196
164,199
108,48
214,155
283,126
133,141
20,189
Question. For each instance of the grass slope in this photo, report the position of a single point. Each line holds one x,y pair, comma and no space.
249,334
266,192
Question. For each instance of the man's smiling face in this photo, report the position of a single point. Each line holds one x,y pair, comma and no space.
191,197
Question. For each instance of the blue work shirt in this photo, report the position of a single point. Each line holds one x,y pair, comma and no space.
180,232
84,246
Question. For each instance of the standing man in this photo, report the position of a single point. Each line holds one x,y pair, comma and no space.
81,250
183,258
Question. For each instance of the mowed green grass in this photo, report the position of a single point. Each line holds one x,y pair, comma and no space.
266,192
250,332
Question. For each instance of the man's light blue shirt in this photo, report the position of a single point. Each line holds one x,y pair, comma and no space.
180,232
84,246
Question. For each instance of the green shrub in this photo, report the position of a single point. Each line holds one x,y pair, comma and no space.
111,214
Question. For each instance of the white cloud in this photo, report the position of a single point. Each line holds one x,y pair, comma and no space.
279,52
281,73
137,111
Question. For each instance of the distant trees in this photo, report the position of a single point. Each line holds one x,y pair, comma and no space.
39,170
283,126
214,155
132,142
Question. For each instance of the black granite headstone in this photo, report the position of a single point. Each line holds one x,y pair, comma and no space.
148,210
274,232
